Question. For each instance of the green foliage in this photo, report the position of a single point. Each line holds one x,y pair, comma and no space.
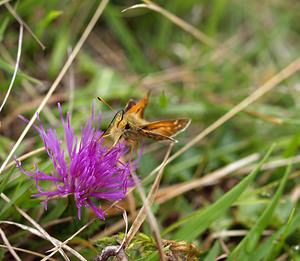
129,53
213,252
191,227
247,246
143,247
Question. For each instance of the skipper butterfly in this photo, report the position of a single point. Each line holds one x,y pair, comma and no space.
129,124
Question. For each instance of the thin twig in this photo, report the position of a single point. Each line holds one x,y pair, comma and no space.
25,156
285,73
34,223
66,66
176,20
125,217
49,115
223,234
151,217
110,230
273,164
39,234
71,85
21,22
150,198
9,247
59,246
283,257
27,251
146,210
173,191
237,233
4,1
16,67
58,221
28,106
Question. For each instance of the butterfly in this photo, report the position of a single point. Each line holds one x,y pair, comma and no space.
129,124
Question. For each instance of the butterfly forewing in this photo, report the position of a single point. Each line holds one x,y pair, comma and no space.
137,108
129,105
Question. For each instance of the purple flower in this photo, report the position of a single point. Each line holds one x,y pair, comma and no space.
89,172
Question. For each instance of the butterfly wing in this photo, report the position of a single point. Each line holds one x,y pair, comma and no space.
164,130
137,108
130,104
114,128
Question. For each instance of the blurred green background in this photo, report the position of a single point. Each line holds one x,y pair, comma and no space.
129,53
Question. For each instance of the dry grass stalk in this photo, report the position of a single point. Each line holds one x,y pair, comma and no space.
273,164
27,251
151,218
16,67
41,235
71,85
8,245
25,156
21,22
58,221
35,224
4,1
176,20
59,246
28,106
117,226
146,211
173,191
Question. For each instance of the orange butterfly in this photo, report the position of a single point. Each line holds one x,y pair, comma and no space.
130,124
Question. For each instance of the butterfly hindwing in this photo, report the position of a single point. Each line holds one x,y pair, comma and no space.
165,128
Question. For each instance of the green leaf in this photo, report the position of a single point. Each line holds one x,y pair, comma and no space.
274,250
57,211
3,26
5,178
264,248
18,194
2,254
249,243
194,225
59,52
10,69
31,203
152,257
163,100
217,12
51,16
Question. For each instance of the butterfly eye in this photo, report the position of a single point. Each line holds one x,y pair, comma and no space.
127,126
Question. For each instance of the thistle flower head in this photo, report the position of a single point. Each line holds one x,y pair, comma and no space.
87,169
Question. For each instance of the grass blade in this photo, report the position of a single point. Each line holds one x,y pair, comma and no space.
279,241
249,243
213,252
18,194
5,179
265,248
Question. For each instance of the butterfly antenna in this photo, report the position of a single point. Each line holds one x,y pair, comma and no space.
106,103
